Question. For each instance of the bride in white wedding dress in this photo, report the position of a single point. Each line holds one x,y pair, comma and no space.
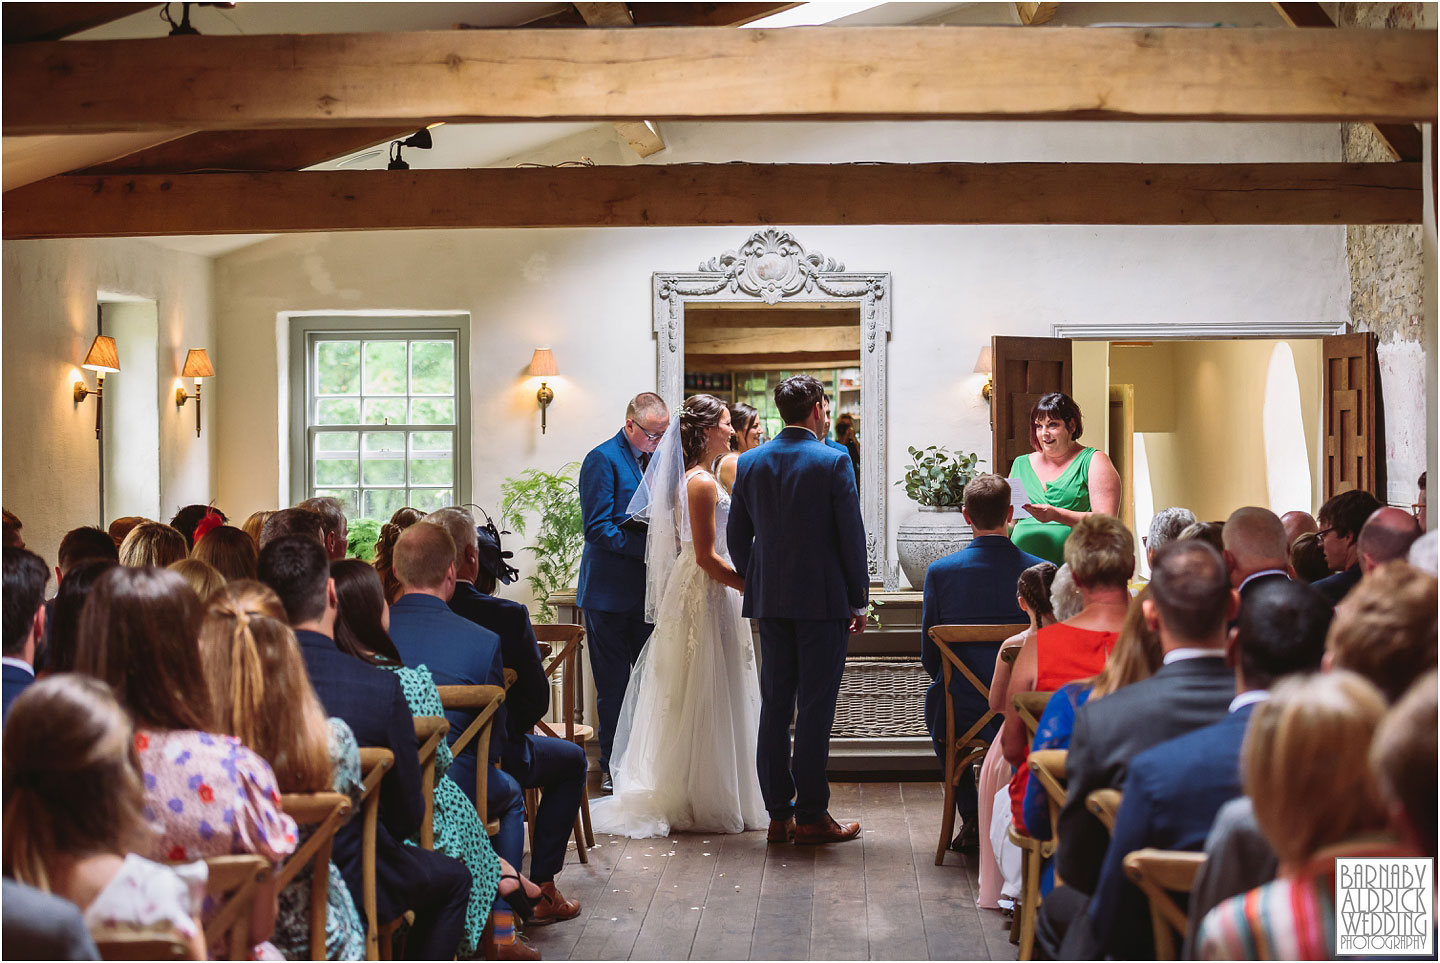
684,754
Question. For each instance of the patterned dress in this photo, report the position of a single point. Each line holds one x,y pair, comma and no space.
344,932
458,832
144,894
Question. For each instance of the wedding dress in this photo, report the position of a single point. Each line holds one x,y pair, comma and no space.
684,752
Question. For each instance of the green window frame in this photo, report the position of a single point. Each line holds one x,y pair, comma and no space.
380,412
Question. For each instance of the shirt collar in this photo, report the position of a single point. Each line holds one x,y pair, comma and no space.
1269,571
1183,655
17,663
1249,698
635,453
806,430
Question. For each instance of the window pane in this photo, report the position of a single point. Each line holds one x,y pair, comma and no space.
336,471
384,411
384,458
382,442
346,441
430,441
429,499
432,367
337,411
385,367
432,411
429,470
381,503
337,367
347,496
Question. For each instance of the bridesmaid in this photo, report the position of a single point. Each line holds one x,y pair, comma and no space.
1064,481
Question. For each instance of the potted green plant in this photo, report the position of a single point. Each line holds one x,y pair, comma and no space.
935,480
555,498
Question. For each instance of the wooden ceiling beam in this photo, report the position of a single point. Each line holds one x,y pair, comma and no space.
642,136
1034,14
31,22
716,194
908,73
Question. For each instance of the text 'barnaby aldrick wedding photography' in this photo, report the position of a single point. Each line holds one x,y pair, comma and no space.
1385,904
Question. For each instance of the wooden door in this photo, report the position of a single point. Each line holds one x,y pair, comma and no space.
1354,421
1122,448
1025,369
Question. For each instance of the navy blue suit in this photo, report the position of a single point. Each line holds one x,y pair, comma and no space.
13,681
612,579
554,765
796,534
435,887
1336,587
974,586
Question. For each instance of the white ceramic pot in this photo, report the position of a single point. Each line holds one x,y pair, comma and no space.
931,533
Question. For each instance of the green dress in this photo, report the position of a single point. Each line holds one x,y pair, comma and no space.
1070,491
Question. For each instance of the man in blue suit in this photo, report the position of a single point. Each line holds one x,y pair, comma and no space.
795,532
24,619
612,569
1173,790
974,586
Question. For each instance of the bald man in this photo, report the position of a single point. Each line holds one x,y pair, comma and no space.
1297,524
1387,535
1256,549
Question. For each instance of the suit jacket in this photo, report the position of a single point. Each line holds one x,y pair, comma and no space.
1173,791
529,698
1336,587
612,567
795,531
41,926
1238,858
457,652
974,586
13,681
1109,732
832,443
372,702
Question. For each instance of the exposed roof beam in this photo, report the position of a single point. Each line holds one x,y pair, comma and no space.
29,159
605,14
716,194
674,14
29,22
1033,14
642,136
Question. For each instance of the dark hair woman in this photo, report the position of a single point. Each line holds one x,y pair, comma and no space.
746,422
59,652
229,550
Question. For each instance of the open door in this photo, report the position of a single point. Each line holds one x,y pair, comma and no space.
1025,369
1354,421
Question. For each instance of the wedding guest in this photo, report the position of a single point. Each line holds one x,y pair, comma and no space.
1387,535
190,516
1341,519
612,567
23,604
1255,549
73,815
1420,515
65,621
1402,757
845,435
1165,527
122,526
1385,628
202,577
35,925
292,521
973,586
337,526
1211,533
385,548
151,543
1424,554
255,524
12,525
229,550
746,422
80,544
1307,559
1065,598
1296,524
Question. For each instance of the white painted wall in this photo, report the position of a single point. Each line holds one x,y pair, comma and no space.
132,412
50,469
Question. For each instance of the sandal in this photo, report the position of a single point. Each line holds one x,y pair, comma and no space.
523,905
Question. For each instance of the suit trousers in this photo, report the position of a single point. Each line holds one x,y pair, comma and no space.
615,643
505,802
557,767
802,661
437,890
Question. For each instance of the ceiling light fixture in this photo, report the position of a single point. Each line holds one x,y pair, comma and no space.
183,28
420,140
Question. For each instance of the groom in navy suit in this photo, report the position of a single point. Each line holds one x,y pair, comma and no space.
612,569
795,532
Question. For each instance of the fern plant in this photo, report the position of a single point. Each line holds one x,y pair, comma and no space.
555,498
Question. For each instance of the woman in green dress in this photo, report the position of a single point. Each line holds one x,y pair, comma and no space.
1064,481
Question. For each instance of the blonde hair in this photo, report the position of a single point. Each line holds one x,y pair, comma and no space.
423,554
255,524
151,543
1304,763
200,575
259,686
1100,552
1137,653
71,777
230,550
1385,627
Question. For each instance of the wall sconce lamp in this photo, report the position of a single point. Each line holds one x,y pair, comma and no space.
103,357
420,140
542,366
985,364
197,366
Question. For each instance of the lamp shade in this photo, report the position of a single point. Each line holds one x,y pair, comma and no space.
542,364
102,356
197,364
985,364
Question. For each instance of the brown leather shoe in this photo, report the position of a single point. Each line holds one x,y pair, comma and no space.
518,950
781,831
827,830
552,907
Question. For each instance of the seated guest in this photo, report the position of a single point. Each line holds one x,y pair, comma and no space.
1173,790
202,577
24,620
1065,599
263,698
385,549
527,760
1307,559
1420,515
1402,757
12,525
1341,519
1165,527
1386,536
65,614
372,702
1238,858
187,518
1424,554
337,526
254,525
80,544
1211,533
1385,628
974,586
205,794
292,521
1100,554
151,543
1297,524
34,925
1255,548
123,526
1304,767
73,804
229,550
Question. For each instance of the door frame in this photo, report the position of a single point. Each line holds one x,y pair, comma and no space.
1195,331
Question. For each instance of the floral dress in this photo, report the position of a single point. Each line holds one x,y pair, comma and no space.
344,932
458,832
144,894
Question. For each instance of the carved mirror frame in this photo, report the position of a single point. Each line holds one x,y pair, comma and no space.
771,266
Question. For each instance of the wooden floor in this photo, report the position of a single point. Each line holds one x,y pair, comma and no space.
718,897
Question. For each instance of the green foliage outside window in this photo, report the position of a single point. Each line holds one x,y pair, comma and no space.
555,498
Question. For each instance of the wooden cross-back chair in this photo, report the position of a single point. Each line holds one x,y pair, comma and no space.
963,749
1160,873
1104,804
1030,706
485,701
233,883
560,652
374,764
147,943
1048,767
326,812
429,731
